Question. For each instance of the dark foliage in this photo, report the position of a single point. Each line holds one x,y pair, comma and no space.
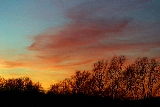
108,84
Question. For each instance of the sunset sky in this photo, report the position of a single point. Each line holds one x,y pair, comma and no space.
48,40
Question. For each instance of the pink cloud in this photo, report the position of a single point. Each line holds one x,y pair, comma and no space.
75,40
79,34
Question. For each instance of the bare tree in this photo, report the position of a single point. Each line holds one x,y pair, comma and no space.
114,75
79,81
141,78
54,89
136,81
98,77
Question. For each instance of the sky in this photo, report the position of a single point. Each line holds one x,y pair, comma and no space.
48,40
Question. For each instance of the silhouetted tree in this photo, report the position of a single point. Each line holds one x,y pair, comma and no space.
136,81
54,89
23,84
115,77
79,82
98,77
65,87
141,78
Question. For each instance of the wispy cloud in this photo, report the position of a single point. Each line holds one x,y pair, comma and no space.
11,64
78,41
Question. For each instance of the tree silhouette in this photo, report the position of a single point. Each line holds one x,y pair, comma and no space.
138,80
80,81
98,76
107,81
23,84
141,78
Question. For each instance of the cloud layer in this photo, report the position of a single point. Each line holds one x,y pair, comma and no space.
96,30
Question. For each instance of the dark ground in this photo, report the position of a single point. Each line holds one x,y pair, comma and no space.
11,99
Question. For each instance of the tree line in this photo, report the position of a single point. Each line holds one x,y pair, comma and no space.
22,84
139,80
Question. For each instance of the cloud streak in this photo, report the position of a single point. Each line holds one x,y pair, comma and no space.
10,64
